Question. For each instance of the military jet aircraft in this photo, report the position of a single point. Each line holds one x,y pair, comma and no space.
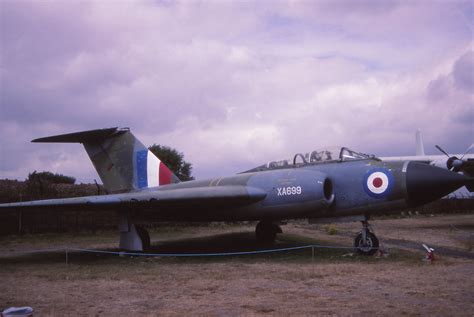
338,185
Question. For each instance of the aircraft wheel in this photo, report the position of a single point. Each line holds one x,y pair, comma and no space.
367,247
266,232
144,237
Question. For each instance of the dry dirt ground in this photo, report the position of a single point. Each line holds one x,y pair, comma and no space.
333,283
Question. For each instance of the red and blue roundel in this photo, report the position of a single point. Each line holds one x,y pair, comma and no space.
378,182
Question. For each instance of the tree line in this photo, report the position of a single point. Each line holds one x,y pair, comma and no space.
48,185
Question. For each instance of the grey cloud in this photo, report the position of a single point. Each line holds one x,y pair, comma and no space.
438,88
238,81
464,115
463,72
457,85
366,7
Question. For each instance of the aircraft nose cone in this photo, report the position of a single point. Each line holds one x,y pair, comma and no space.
426,183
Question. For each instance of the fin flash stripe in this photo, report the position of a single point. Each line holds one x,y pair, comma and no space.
151,172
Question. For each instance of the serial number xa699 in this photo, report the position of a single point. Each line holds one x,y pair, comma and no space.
288,191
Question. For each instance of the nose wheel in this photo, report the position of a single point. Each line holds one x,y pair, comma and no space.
366,242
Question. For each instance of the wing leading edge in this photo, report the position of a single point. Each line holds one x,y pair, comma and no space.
198,196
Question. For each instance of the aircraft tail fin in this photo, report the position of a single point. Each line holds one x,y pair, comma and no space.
420,149
123,163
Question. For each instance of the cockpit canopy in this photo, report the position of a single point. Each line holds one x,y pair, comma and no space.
317,156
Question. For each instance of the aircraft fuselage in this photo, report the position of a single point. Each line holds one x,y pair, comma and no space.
330,189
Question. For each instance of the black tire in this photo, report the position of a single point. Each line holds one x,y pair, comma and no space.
370,247
144,237
266,232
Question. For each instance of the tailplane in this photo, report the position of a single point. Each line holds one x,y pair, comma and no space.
123,163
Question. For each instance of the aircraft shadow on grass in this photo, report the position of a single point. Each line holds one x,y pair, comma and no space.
234,242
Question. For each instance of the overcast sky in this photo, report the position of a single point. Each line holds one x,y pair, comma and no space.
233,84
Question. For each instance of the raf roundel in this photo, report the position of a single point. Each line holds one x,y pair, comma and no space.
378,183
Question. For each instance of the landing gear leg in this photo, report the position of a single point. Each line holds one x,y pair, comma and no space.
144,237
132,237
366,242
266,232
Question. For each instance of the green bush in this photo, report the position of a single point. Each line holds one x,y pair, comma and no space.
331,229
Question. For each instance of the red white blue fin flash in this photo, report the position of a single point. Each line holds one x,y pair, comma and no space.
151,172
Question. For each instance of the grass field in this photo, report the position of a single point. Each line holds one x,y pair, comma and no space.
335,282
